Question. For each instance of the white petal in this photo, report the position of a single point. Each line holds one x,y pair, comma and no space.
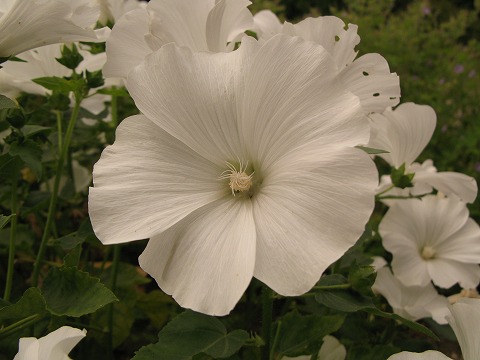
463,245
226,21
450,183
403,132
60,342
266,24
28,349
126,46
146,182
446,273
193,97
332,349
427,355
370,79
205,261
31,24
308,214
286,106
464,321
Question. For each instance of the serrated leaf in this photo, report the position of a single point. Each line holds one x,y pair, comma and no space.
4,220
372,151
31,153
31,303
69,291
56,83
302,335
114,92
190,334
7,103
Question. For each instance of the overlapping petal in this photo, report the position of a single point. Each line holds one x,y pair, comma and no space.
464,321
146,182
427,355
206,261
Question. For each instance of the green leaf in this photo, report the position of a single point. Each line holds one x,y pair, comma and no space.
30,152
7,103
4,220
30,130
73,257
190,334
302,335
127,275
371,151
123,320
156,306
114,92
400,179
362,278
31,303
69,291
334,279
343,300
56,83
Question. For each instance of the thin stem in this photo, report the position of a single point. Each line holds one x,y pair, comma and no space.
12,242
113,286
384,191
59,129
400,197
332,287
267,308
20,325
53,199
275,340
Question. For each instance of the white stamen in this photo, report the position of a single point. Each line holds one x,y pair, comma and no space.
239,180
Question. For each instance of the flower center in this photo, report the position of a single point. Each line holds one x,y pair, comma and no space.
428,252
240,181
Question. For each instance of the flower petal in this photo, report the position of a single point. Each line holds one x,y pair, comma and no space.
427,355
308,213
450,183
27,349
266,24
464,322
205,261
147,181
193,97
126,45
446,273
60,342
370,79
286,106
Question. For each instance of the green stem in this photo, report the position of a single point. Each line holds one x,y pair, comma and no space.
20,325
267,308
275,340
59,128
384,191
332,287
53,200
13,238
113,286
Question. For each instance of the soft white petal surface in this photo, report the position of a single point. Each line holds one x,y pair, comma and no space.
427,355
450,183
465,320
332,349
205,261
403,132
266,24
147,181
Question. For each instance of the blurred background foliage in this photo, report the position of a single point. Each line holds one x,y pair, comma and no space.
434,46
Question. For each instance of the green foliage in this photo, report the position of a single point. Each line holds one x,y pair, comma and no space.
190,334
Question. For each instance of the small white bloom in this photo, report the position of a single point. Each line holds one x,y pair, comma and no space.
432,239
26,25
331,349
368,77
411,302
54,346
301,192
427,355
201,25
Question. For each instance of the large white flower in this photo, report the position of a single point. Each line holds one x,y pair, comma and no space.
26,25
432,239
411,302
368,77
54,346
201,25
465,321
242,165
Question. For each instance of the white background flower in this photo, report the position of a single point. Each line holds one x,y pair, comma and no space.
265,107
54,346
432,239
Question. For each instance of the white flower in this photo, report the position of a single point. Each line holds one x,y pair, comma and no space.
331,349
112,10
411,302
427,178
432,239
464,320
30,24
368,77
54,346
403,132
301,192
201,25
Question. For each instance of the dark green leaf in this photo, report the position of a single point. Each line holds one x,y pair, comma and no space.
7,103
30,152
400,179
71,58
190,334
362,278
69,291
73,257
30,130
4,220
334,279
302,335
343,300
55,83
31,303
371,151
114,92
